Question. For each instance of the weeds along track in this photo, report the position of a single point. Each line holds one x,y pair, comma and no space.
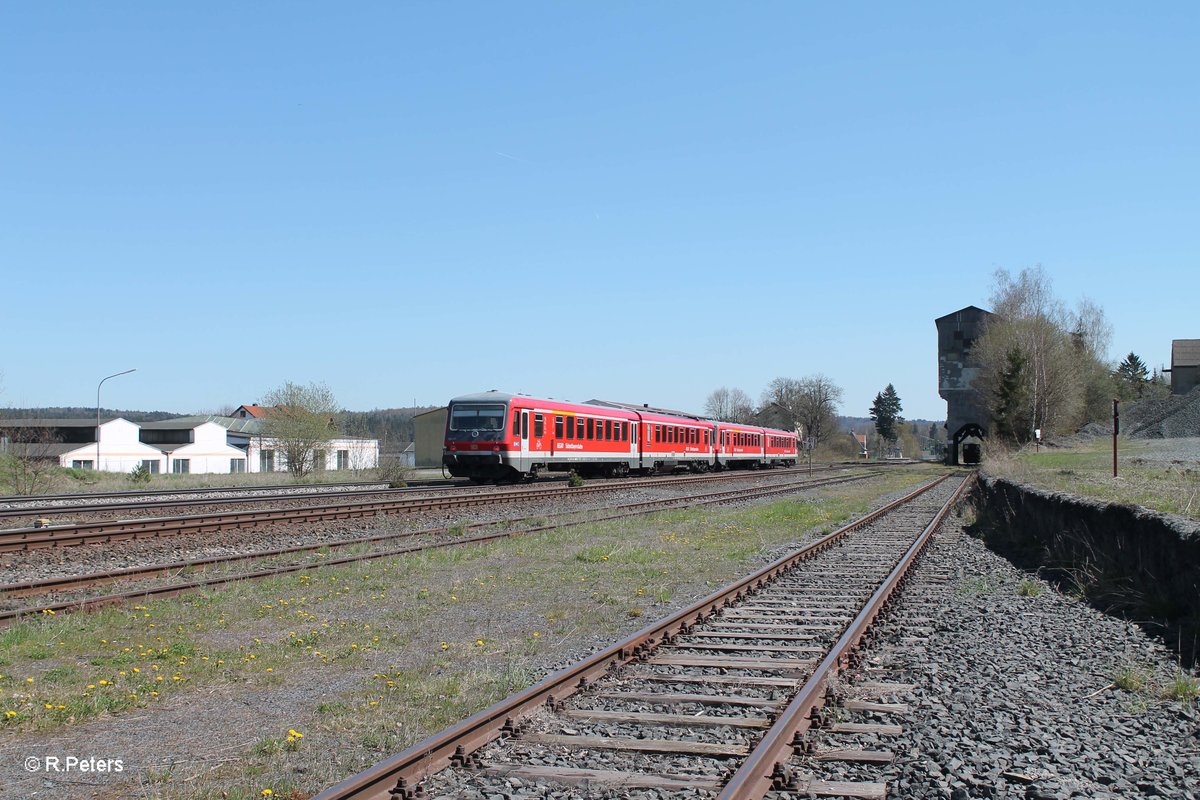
346,506
709,702
375,546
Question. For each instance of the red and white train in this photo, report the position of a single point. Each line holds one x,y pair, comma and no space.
493,436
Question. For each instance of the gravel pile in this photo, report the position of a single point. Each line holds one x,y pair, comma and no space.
1015,695
1169,417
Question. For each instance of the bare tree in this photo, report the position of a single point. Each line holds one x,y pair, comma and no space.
301,422
1063,379
810,402
729,405
27,459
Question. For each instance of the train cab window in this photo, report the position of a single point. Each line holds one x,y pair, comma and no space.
516,423
558,427
590,427
539,426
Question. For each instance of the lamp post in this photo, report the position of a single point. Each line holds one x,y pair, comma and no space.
98,385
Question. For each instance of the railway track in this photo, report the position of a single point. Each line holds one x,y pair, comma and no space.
711,701
25,506
108,531
437,538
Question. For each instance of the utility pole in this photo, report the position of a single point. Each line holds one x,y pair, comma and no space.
1116,430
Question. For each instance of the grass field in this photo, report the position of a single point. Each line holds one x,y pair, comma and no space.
1169,486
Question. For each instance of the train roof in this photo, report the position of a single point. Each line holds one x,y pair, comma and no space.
612,408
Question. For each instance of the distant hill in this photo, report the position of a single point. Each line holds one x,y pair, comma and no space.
77,412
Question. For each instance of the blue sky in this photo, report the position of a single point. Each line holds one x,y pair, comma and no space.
640,202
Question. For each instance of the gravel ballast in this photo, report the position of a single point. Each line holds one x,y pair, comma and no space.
1014,693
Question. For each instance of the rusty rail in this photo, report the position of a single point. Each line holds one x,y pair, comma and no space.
396,778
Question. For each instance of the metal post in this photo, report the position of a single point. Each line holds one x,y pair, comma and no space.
1116,430
98,385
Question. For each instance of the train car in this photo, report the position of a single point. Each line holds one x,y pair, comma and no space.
494,436
751,447
671,442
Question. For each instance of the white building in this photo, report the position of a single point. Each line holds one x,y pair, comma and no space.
196,444
119,449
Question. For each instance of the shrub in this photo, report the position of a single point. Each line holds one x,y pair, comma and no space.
574,479
139,474
1029,588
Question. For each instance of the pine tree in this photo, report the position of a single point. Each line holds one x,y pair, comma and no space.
885,410
1133,373
1011,418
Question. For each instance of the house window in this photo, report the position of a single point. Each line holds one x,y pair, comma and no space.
266,461
343,459
237,465
151,465
181,466
81,464
319,460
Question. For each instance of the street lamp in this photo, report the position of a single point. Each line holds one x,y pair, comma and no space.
98,385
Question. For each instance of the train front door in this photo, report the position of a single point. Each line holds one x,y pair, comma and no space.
524,440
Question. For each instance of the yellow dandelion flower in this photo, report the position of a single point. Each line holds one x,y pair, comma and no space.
295,733
91,686
479,642
266,792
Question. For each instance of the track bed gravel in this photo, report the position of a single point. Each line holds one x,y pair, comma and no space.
1013,694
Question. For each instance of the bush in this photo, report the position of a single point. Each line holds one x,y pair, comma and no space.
139,474
574,479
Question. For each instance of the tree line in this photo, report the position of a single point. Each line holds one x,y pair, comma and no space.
1044,366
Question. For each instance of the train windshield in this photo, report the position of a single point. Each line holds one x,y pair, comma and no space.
477,418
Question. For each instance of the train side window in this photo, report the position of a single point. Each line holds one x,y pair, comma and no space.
608,430
516,423
657,434
579,429
633,429
539,426
558,427
590,427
